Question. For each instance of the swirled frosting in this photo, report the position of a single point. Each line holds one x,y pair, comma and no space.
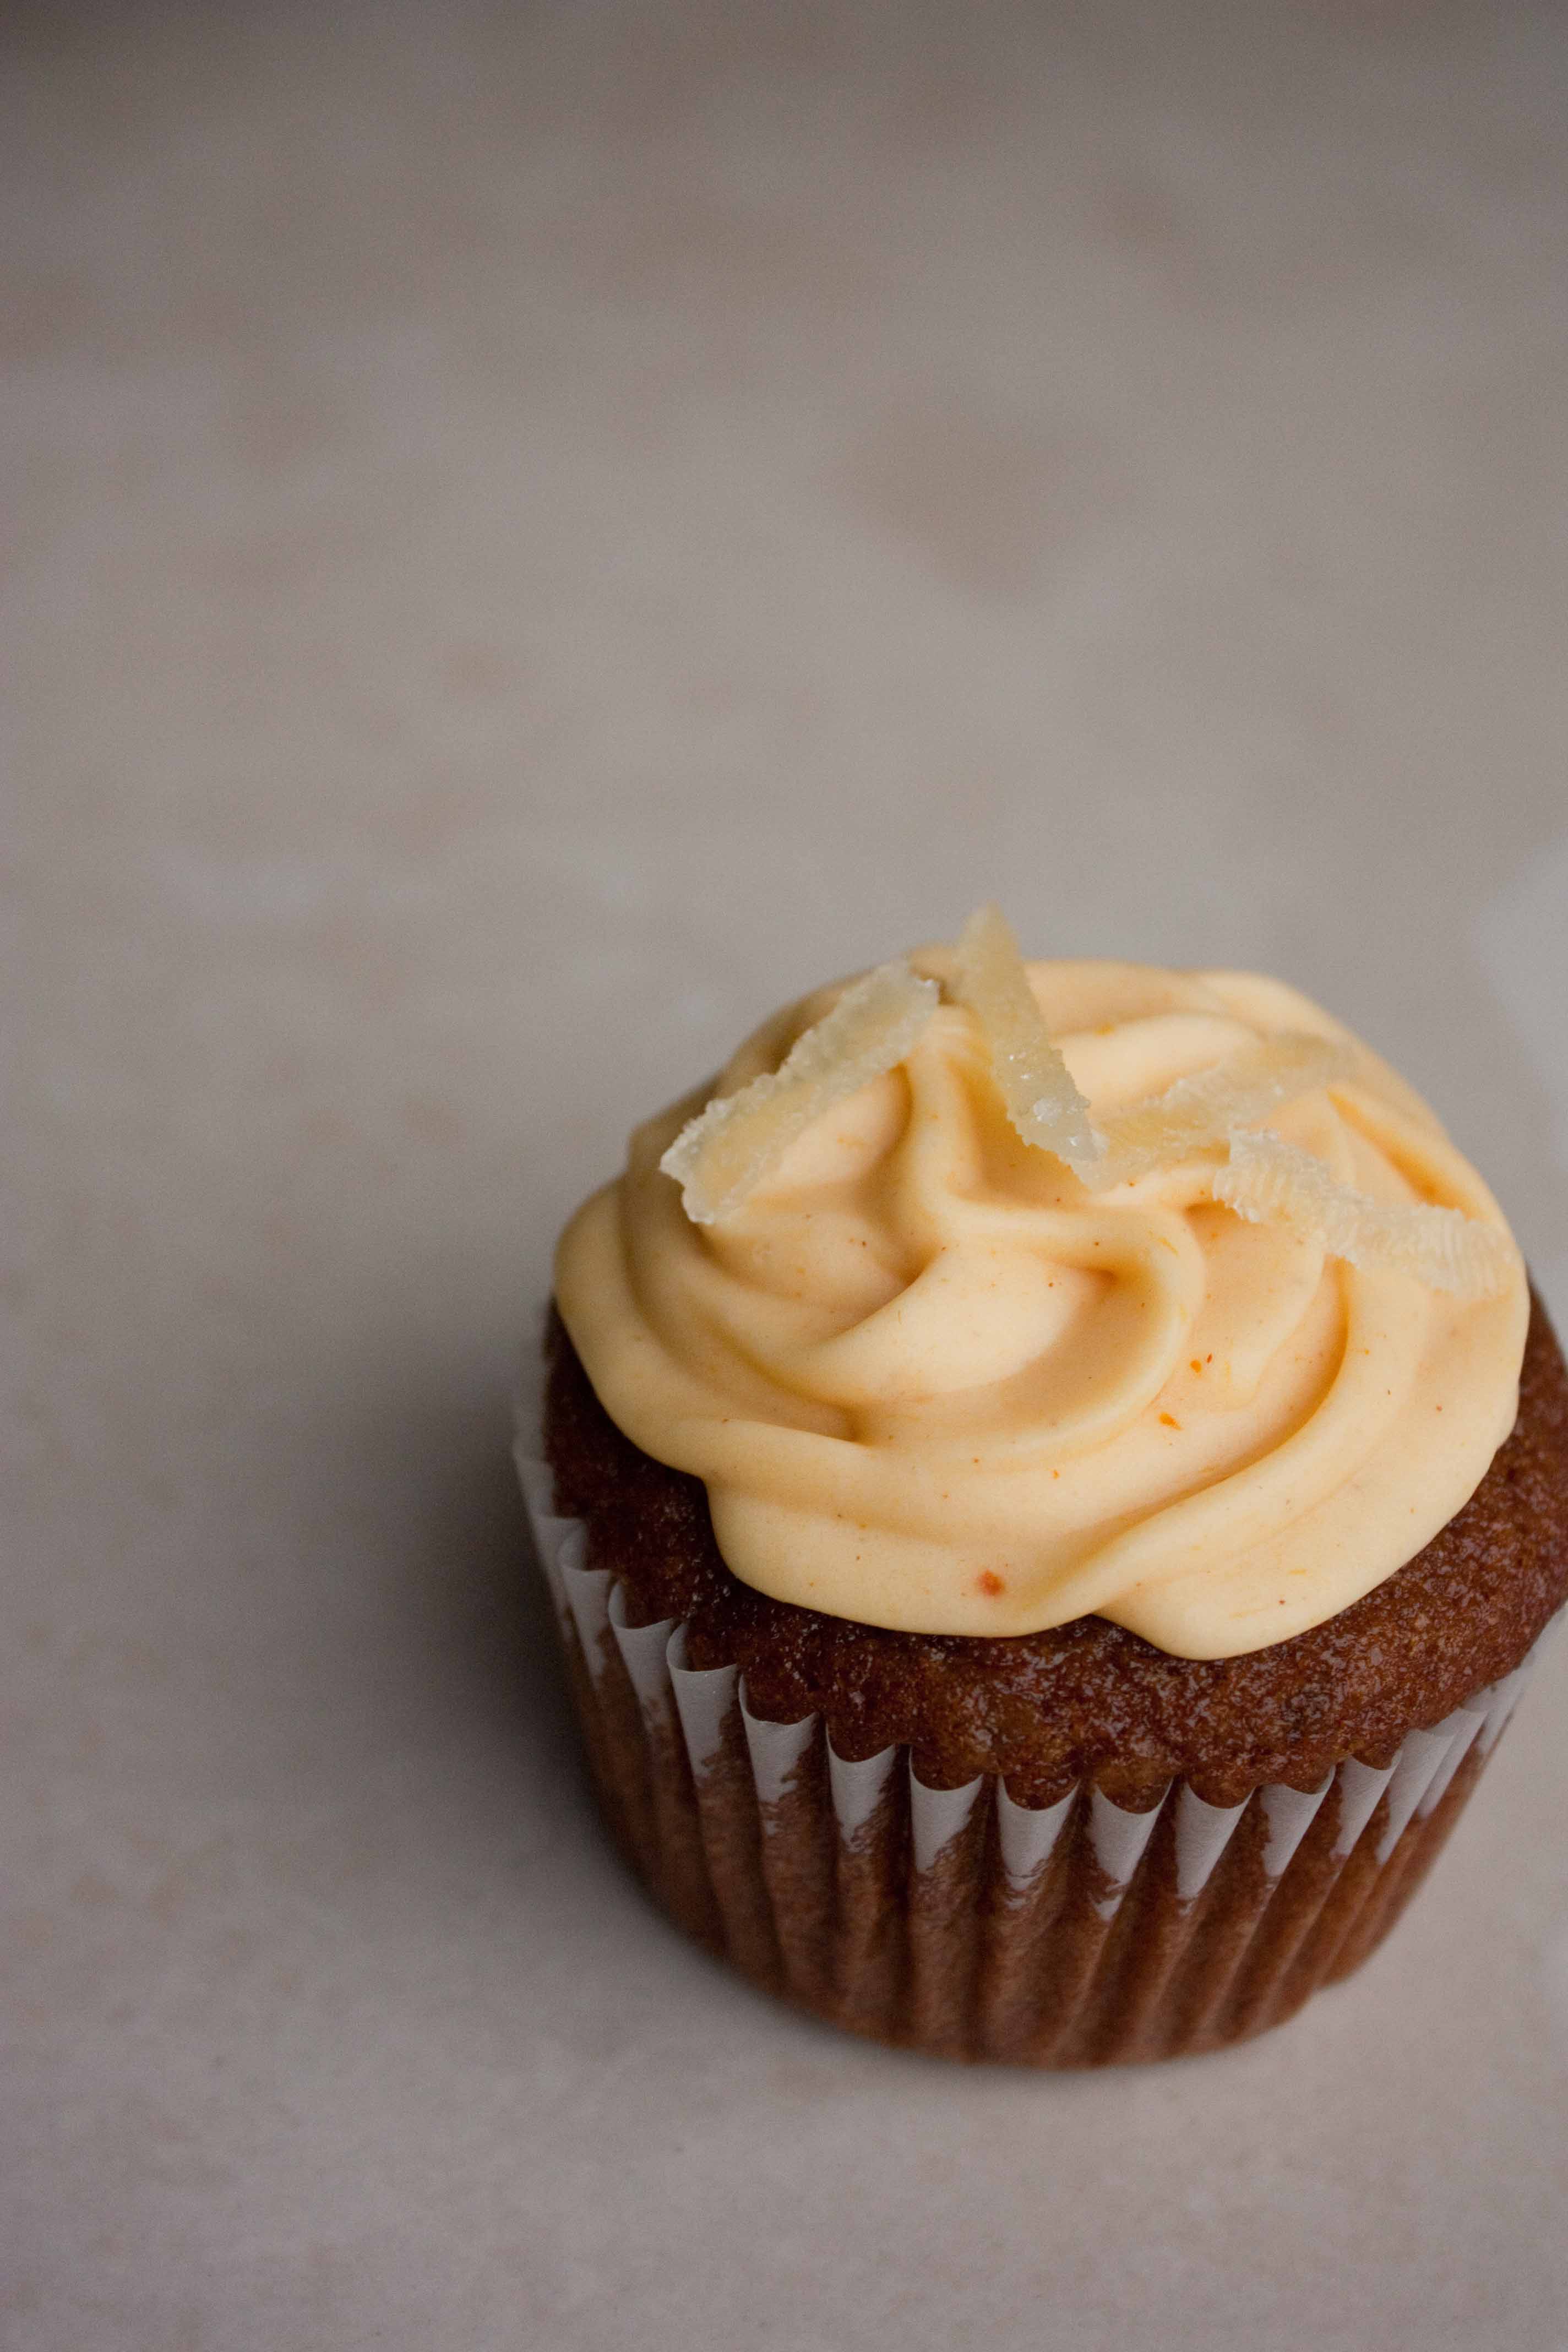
933,1382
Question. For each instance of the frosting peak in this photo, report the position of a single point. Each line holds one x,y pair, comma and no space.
934,1382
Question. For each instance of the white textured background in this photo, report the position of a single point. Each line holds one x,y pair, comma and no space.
536,534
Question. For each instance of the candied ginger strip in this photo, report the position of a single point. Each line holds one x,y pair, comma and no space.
1036,1085
728,1149
1206,1107
1270,1182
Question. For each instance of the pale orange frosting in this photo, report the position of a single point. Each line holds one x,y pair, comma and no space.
933,1382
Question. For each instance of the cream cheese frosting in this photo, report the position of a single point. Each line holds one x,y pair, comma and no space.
931,1381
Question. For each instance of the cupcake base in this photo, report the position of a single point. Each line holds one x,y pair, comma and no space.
956,1922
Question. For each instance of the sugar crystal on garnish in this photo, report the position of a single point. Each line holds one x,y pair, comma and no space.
1206,1107
727,1150
1042,1102
1270,1182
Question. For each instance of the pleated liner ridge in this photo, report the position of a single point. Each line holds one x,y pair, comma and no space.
954,1921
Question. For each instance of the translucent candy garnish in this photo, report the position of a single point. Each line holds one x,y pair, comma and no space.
1270,1182
722,1154
1206,1107
1036,1084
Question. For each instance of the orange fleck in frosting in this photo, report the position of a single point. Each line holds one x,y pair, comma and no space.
920,1344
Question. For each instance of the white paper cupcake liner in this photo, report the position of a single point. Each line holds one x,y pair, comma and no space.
955,1919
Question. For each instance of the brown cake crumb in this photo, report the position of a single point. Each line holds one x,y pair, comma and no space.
1089,1698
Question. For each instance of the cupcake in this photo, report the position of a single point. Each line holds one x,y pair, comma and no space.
1052,1476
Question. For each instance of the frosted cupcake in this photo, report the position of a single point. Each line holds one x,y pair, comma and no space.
1055,1477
